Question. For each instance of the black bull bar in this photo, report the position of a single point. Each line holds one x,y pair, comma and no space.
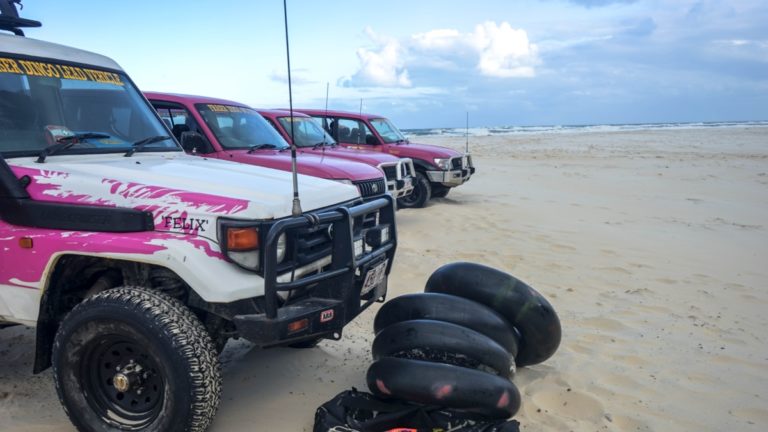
335,296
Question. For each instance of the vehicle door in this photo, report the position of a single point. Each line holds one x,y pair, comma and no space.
353,133
184,128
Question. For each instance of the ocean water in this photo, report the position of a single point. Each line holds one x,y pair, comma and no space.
515,130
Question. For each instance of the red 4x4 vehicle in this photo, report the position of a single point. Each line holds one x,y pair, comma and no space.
311,138
438,169
222,129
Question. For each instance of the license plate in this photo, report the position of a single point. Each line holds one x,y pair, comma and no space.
374,277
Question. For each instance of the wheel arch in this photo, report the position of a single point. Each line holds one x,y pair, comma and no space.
74,277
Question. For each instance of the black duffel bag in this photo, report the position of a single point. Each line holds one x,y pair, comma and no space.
354,411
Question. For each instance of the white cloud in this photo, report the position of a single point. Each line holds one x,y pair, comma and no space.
504,52
383,66
494,50
437,40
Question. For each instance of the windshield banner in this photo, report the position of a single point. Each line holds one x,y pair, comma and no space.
230,108
52,70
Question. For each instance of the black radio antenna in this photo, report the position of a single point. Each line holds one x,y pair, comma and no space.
325,118
467,134
296,210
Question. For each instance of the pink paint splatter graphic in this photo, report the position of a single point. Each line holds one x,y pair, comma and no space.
162,202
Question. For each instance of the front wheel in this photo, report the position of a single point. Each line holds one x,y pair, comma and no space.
134,359
422,192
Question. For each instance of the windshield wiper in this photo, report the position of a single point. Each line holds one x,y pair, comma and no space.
261,146
65,142
140,144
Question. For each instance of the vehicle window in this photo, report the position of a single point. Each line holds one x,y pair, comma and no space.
178,119
42,102
351,131
389,132
324,121
308,132
272,123
237,127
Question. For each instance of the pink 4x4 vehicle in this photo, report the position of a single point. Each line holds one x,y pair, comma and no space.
438,169
137,262
312,139
222,129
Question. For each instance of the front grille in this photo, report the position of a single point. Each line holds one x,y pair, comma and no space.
456,163
369,188
311,244
390,171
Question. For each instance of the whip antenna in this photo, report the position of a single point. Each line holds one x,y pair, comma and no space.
467,133
296,211
327,89
325,118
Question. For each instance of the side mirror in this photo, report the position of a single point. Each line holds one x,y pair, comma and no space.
371,140
193,142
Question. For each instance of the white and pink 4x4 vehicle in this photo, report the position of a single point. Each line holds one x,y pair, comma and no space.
136,262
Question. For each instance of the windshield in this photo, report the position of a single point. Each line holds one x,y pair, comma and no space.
45,103
389,132
237,127
308,133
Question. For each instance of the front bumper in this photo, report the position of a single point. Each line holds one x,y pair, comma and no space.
399,177
331,297
460,172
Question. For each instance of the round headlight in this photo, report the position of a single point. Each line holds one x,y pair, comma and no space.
282,246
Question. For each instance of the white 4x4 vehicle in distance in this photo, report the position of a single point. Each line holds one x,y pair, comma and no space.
136,262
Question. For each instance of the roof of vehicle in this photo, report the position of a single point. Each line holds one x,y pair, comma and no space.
179,97
280,113
46,50
341,113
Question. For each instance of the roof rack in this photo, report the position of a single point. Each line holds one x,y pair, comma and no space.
9,18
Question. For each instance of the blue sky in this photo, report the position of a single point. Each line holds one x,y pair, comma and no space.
426,63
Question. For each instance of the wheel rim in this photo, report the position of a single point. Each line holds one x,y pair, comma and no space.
414,197
122,382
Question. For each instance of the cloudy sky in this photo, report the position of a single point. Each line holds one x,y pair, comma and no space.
426,63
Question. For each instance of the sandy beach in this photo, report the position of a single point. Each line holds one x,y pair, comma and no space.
652,246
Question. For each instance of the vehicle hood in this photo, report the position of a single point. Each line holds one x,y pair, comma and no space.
363,156
316,165
422,151
176,185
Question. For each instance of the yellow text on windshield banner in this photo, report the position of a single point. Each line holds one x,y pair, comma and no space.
230,108
52,70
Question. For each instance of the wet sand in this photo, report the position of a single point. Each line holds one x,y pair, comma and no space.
652,246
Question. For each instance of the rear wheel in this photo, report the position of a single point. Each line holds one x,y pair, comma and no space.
422,192
134,359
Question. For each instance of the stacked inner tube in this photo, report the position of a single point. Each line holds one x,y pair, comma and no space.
457,344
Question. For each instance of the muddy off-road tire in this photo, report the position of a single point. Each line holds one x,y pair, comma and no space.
422,192
133,359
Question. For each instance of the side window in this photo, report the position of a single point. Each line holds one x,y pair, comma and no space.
178,120
352,131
